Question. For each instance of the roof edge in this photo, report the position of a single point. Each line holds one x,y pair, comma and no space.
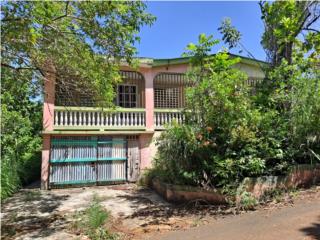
174,61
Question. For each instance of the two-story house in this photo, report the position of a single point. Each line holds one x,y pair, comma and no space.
84,144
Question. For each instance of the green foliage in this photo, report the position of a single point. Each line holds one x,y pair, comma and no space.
20,128
84,40
247,201
296,99
92,222
231,35
220,142
231,134
291,88
286,24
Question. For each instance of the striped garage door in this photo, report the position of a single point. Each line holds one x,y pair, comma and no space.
83,160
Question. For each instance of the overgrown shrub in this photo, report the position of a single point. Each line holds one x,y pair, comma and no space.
20,134
229,133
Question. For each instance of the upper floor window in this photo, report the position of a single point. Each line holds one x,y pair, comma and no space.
127,96
167,97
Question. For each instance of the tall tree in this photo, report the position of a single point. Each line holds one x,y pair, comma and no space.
287,23
84,40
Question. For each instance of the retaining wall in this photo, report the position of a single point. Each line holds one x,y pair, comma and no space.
299,176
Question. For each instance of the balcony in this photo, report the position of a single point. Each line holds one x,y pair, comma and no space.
90,118
75,109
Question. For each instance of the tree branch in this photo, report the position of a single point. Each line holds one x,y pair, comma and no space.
23,68
311,29
12,19
312,21
65,14
17,68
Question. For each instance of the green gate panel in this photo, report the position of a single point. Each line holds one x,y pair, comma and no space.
81,160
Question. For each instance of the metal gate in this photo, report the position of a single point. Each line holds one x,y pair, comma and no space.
83,160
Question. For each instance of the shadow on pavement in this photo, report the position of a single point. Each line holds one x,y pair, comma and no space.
313,231
158,211
31,212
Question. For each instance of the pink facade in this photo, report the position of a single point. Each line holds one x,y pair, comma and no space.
146,130
145,139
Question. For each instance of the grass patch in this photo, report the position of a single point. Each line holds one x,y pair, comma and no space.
93,222
247,201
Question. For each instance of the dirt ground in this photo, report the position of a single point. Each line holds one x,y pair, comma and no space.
294,220
138,213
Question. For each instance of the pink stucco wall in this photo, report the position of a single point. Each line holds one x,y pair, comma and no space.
45,162
49,97
48,121
178,68
148,77
146,141
145,151
148,149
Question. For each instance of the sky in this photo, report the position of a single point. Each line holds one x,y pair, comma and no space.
179,23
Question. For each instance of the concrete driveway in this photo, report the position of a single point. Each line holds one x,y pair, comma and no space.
139,213
300,221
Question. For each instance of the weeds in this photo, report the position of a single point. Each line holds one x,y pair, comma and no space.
273,195
247,201
92,222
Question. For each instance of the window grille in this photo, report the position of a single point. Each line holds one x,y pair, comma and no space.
167,97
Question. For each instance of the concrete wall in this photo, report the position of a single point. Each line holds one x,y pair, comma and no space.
299,176
252,71
148,149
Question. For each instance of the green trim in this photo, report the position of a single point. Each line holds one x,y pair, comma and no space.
183,60
170,61
112,180
87,181
74,182
84,160
73,160
154,62
62,142
113,159
115,141
171,110
97,109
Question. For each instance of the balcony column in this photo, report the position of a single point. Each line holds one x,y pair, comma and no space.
148,77
49,97
45,161
48,121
